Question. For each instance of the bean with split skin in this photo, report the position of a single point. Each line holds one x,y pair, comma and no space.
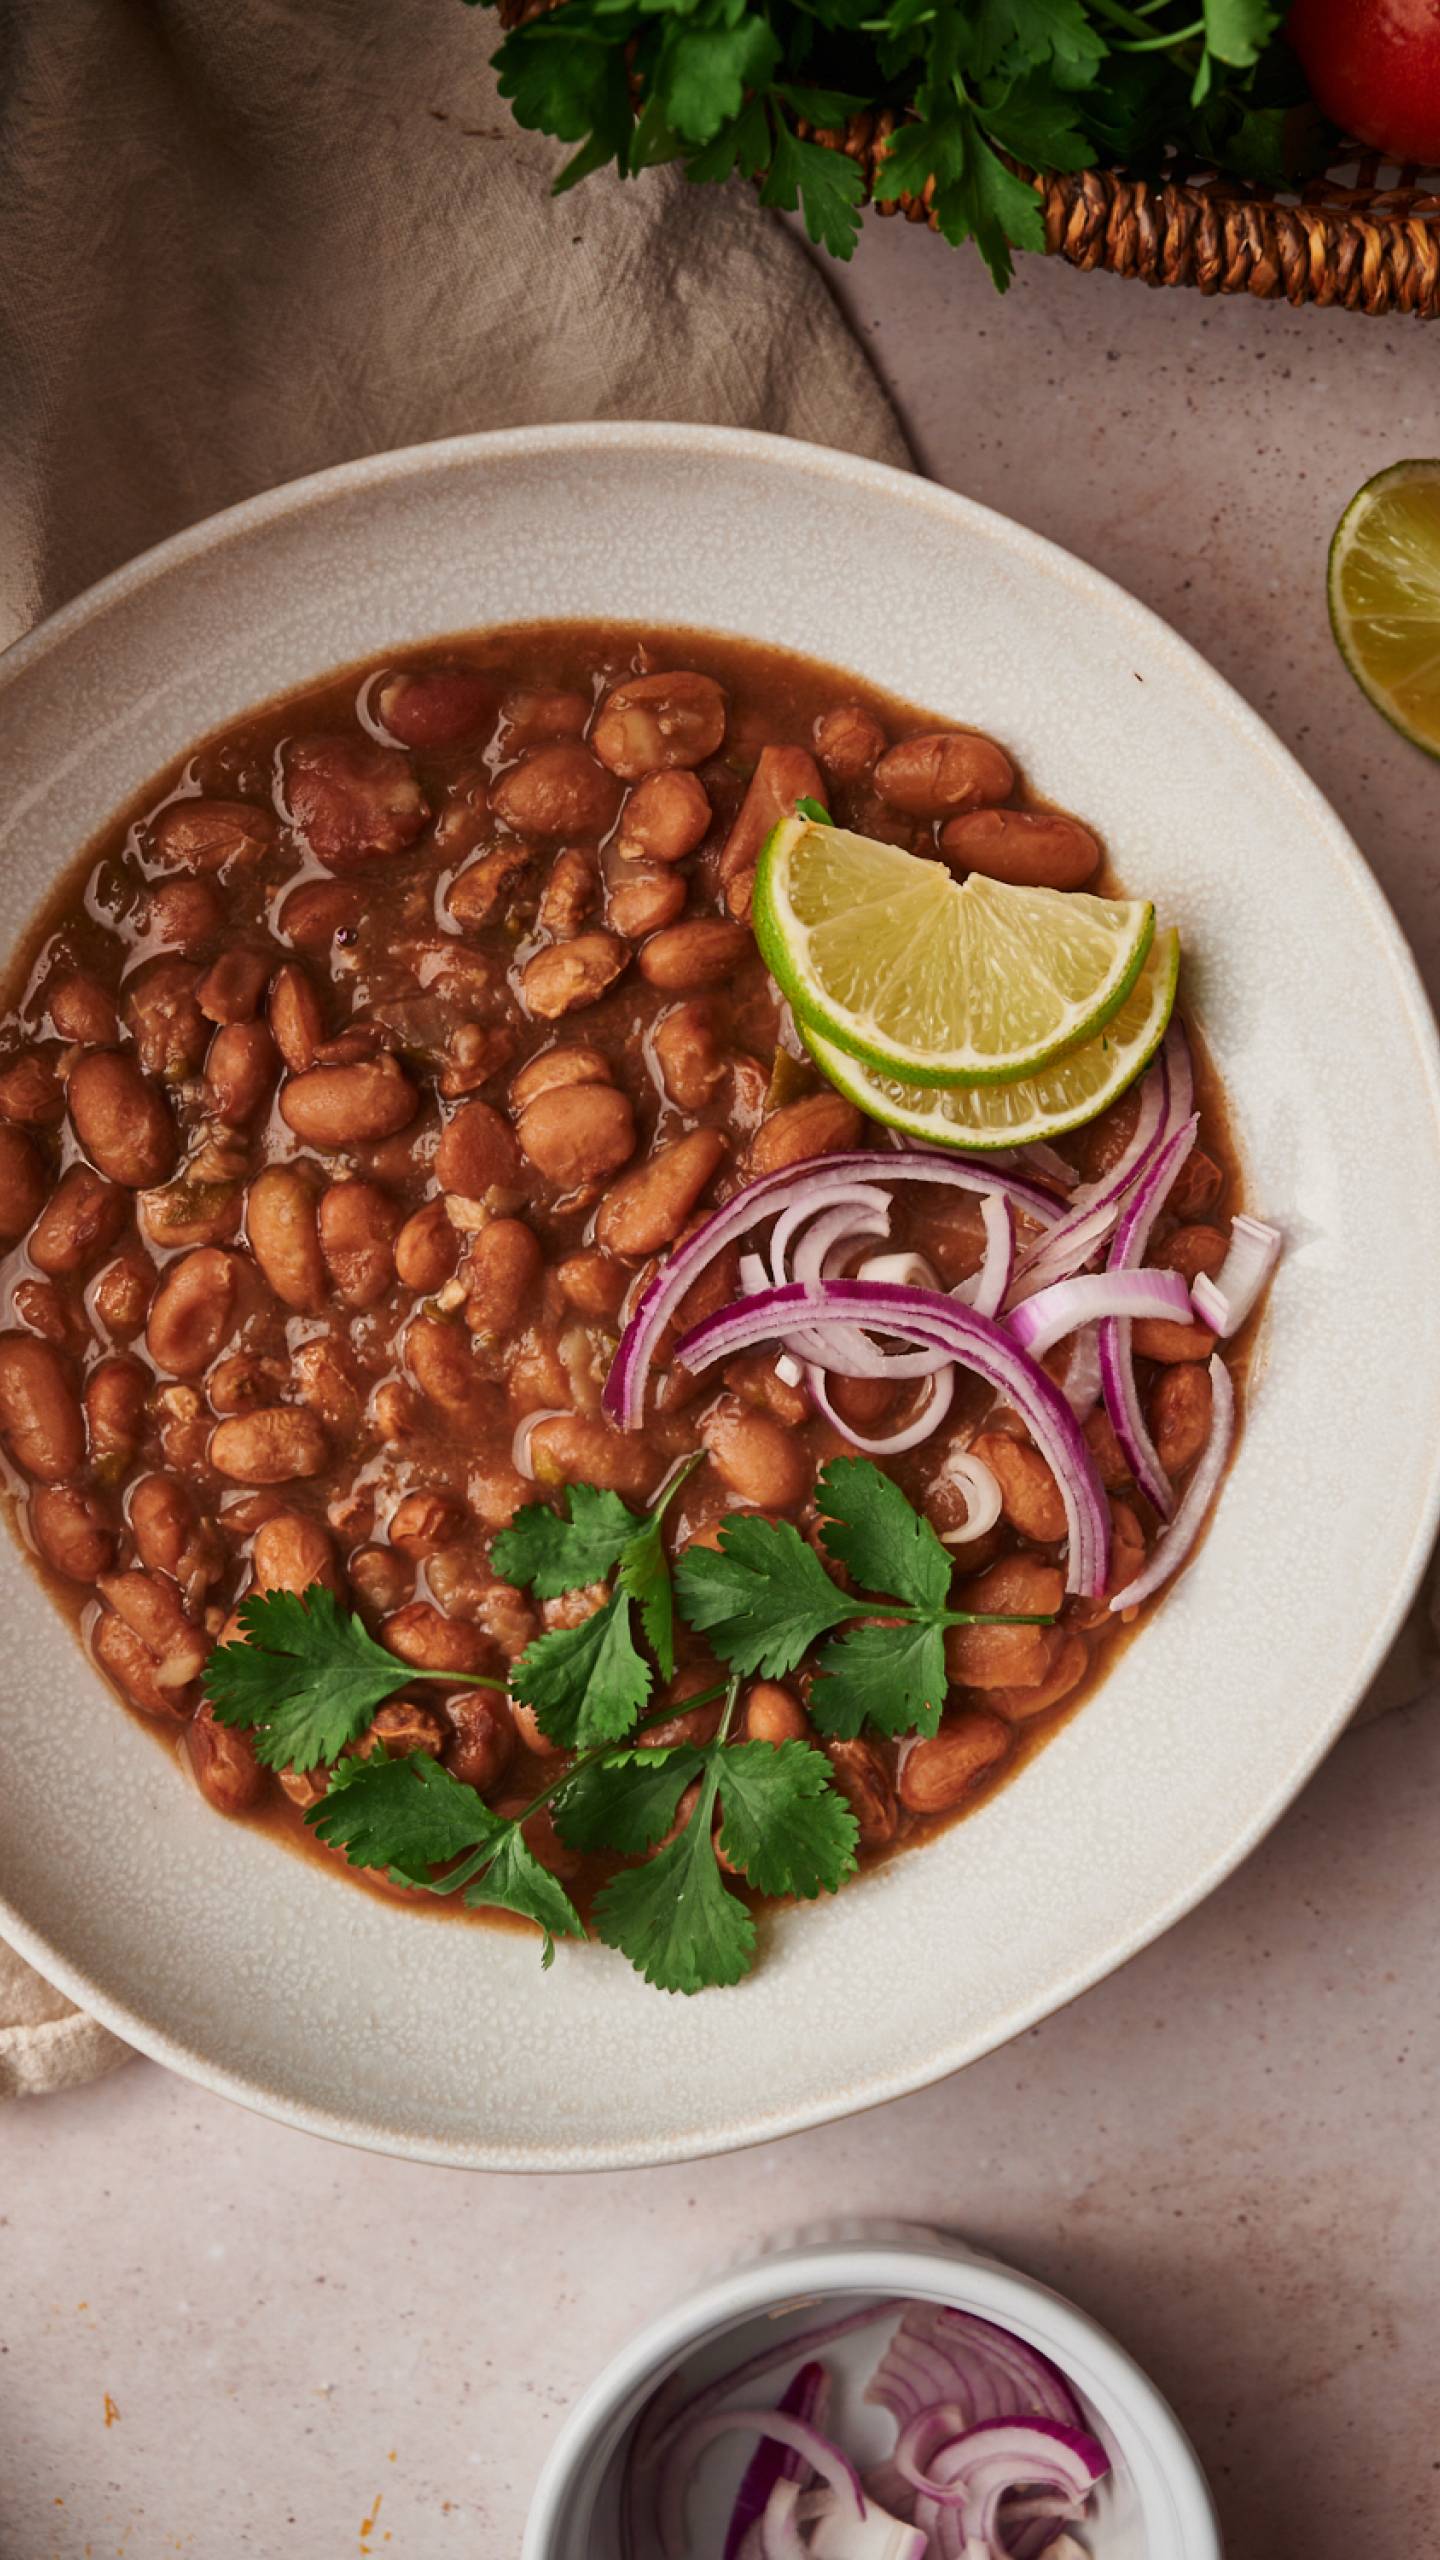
502,1273
477,1152
281,1225
578,1448
24,1182
146,1642
276,1444
646,1210
232,986
40,1416
654,723
79,1222
169,1533
122,1293
577,1133
347,1106
943,773
432,706
163,1017
211,835
568,894
849,741
73,1531
864,1781
421,1634
941,1770
1069,1663
357,1224
819,1124
1028,848
482,1738
195,1311
30,1089
223,1762
570,975
122,1121
569,1062
114,1397
423,1522
351,800
241,1066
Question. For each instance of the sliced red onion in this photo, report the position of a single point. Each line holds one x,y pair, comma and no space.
1067,1304
986,1288
977,2470
815,1182
983,1500
520,1445
1081,1382
939,1395
662,2423
837,2535
823,1247
1166,1102
1224,1302
1175,1542
833,2466
369,719
905,1270
1117,1372
793,1256
780,2534
807,2396
976,1342
939,2354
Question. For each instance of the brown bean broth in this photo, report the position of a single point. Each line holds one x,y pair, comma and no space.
405,964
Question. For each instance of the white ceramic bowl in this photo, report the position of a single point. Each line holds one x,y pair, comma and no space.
1154,2506
211,1947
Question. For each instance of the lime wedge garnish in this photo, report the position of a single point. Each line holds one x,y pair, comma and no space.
1384,589
891,959
1077,1088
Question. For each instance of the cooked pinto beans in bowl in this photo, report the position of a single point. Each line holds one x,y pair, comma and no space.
566,1375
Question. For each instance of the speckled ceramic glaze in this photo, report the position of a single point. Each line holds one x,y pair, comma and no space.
213,1948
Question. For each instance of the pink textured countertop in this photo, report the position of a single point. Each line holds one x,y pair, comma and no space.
220,2338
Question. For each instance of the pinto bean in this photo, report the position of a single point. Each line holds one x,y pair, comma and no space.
756,1457
478,894
645,1211
402,1727
1197,1186
444,1366
297,1024
502,1272
114,1397
774,1714
123,1123
310,916
482,1739
190,1213
568,894
1006,1657
423,1522
569,975
81,1221
531,712
240,1068
1158,1338
578,1133
223,1763
1178,1411
1031,848
939,1772
1191,1250
351,800
277,1444
477,1152
865,1783
557,790
644,898
357,1224
169,1534
570,1062
427,1249
756,1380
688,1056
433,707
819,1124
1069,1663
81,1009
578,1448
122,1294
232,986
420,1634
347,1106
195,1310
24,1182
40,1418
688,1724
283,1234
30,1089
72,1530
652,723
164,1019
665,818
943,773
782,776
211,835
147,1643
1110,1460
592,1283
849,741
702,953
1028,1490
39,1306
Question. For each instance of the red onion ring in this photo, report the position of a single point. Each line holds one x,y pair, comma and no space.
1224,1302
1174,1543
1046,1318
939,1398
1122,1399
834,2467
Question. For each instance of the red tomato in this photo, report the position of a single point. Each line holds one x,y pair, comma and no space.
1374,66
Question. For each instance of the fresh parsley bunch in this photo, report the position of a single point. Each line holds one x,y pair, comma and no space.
726,86
308,1677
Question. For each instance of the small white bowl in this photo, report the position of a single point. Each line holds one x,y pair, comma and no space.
1154,2506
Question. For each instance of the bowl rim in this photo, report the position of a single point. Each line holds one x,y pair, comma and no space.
910,2262
774,453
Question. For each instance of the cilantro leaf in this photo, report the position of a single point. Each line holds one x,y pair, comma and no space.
825,185
308,1677
628,1800
675,1918
893,1676
888,1545
406,1815
762,1598
558,1551
786,1826
1238,30
515,1880
588,1683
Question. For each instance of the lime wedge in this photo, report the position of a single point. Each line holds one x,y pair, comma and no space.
891,959
1077,1088
1384,589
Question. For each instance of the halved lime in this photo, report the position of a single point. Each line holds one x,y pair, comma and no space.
1077,1088
894,961
1384,590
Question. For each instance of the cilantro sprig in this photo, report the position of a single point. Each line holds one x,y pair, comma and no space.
306,1678
726,86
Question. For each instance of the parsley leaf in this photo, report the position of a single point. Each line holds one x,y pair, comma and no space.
893,1676
869,1527
308,1677
824,184
704,72
762,1598
627,1800
557,1551
786,1826
1238,30
675,1918
588,1683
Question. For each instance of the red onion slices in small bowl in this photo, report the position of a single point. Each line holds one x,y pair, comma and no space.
894,2397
